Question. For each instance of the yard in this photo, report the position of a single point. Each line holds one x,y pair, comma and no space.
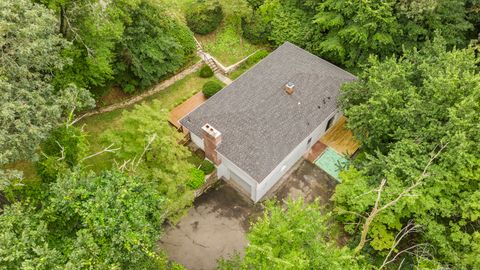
168,98
226,43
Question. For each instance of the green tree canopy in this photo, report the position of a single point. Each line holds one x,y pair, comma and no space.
153,45
294,236
421,19
29,105
403,110
355,29
106,221
150,146
93,27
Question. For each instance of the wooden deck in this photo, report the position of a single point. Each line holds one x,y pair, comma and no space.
185,108
340,138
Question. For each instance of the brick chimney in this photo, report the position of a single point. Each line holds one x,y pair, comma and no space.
211,139
290,88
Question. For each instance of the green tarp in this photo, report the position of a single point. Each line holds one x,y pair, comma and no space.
331,162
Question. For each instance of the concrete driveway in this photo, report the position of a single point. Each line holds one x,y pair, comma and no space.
305,180
215,227
217,224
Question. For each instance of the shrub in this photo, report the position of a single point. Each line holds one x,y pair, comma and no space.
204,16
128,88
255,29
206,72
256,57
207,167
67,139
197,178
63,149
211,88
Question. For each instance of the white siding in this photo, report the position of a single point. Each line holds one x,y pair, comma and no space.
197,140
292,158
227,168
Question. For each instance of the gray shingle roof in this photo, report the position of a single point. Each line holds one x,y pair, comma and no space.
259,122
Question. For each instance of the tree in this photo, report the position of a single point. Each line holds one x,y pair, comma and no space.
294,236
419,21
255,4
106,221
349,31
150,149
24,241
93,27
203,17
401,110
153,46
284,21
114,219
29,105
62,150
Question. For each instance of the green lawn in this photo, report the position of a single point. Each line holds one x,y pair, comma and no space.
170,97
226,43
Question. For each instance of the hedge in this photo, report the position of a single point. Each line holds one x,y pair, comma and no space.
204,17
207,167
211,88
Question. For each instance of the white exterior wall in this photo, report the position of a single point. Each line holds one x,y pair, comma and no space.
197,140
258,190
227,167
293,157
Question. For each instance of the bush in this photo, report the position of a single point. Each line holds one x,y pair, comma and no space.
197,178
207,167
211,88
63,149
256,57
206,72
204,17
255,29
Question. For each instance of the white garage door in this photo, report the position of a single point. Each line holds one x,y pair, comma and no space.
241,183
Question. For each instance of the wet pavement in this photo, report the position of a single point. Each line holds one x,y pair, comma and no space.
218,223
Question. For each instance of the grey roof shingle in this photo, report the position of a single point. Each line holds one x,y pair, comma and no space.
260,123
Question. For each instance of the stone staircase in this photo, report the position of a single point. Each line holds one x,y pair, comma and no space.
208,59
213,65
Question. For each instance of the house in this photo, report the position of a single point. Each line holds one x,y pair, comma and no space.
258,127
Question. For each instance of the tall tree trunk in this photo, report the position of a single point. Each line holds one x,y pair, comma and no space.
63,27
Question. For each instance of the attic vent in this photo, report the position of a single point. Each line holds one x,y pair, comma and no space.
290,88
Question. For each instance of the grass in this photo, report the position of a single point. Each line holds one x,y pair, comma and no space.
253,60
116,95
226,43
169,98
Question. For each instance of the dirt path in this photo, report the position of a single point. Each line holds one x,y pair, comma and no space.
157,88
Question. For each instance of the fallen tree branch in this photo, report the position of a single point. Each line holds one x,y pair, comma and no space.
377,209
108,149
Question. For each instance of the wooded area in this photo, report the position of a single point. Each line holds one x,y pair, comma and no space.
100,190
